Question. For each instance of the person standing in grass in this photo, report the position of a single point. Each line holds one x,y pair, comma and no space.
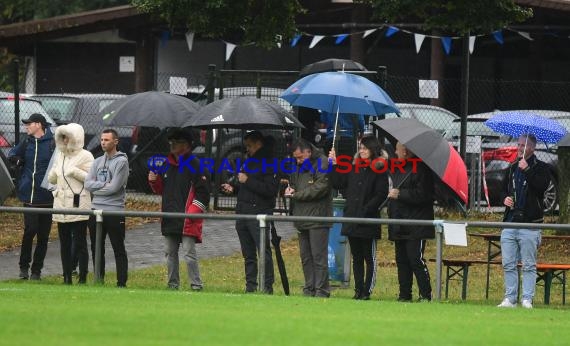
107,181
364,190
526,182
68,173
32,155
411,198
183,190
311,195
256,187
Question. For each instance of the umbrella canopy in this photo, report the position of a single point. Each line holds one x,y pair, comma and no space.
151,108
332,65
434,151
517,123
276,241
339,92
244,112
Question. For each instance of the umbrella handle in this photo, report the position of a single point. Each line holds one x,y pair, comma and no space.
397,187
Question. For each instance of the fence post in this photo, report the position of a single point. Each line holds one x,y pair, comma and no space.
262,242
98,243
438,256
16,64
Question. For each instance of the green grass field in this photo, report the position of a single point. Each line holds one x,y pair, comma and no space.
45,314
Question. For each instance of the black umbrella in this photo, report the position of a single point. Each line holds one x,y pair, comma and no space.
276,240
151,108
244,112
331,65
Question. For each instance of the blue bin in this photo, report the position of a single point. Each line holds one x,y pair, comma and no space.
339,253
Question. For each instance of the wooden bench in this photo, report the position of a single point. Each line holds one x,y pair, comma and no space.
547,274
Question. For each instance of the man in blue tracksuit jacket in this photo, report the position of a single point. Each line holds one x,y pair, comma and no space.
33,155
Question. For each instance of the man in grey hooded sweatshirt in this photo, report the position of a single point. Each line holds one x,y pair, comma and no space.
107,181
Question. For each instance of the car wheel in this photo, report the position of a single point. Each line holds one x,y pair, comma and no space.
551,197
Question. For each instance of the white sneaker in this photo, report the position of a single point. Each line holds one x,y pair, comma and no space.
506,303
527,304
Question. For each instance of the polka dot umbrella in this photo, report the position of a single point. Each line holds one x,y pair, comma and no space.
517,123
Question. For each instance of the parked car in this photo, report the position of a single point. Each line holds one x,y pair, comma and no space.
7,117
437,118
84,109
499,151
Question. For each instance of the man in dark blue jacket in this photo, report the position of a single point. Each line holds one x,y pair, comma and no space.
33,155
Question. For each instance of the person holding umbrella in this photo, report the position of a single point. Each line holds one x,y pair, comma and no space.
411,198
183,191
365,189
256,192
527,180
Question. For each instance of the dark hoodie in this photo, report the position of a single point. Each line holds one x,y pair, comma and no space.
36,153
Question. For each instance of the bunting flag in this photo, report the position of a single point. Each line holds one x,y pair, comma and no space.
189,40
498,35
368,32
525,35
472,44
278,40
316,40
340,38
419,39
164,37
391,31
229,49
446,43
295,40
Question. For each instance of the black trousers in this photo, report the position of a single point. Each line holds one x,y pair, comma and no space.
35,226
410,261
363,252
73,242
114,226
248,233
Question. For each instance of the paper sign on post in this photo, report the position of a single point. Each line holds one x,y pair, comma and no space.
455,233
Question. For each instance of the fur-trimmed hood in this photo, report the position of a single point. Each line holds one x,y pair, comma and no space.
76,136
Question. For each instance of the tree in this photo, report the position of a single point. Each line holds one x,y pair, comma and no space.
259,22
452,16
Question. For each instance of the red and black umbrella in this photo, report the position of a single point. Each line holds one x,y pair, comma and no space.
435,152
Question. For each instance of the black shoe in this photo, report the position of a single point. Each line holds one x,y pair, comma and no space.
357,295
268,290
24,274
67,280
365,296
35,276
404,300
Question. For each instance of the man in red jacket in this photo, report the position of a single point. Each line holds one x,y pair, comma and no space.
184,190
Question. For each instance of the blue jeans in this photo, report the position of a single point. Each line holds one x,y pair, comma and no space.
519,244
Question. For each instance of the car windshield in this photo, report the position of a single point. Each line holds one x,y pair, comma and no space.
59,108
27,108
437,119
475,128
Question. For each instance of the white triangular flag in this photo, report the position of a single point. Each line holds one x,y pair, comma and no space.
316,40
471,44
368,32
525,35
419,39
229,50
189,40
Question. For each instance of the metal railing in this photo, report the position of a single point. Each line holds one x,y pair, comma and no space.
264,219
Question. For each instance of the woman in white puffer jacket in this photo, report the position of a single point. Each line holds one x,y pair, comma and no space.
68,173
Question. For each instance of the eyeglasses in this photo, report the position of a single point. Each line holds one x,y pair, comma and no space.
176,141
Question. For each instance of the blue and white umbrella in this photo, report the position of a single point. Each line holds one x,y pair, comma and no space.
517,123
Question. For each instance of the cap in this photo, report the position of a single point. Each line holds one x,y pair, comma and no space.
36,118
179,134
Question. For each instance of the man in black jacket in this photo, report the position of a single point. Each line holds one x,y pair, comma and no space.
257,184
527,180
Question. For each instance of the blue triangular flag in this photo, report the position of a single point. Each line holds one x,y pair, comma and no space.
391,31
498,35
164,37
295,39
446,43
340,38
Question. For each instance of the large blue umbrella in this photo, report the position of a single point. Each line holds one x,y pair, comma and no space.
517,123
339,92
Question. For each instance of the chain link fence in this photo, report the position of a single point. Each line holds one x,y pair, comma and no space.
435,103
